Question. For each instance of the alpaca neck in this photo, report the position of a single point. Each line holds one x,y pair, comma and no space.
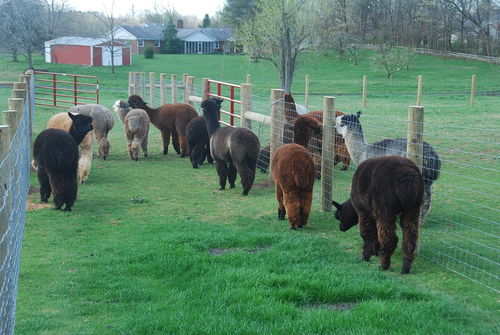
301,139
76,134
122,112
212,123
356,145
152,112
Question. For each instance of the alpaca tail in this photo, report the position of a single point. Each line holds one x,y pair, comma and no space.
303,176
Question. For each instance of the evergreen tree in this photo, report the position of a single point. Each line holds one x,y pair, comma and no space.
206,22
171,43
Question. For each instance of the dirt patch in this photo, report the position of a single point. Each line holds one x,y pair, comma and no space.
219,251
258,249
33,205
263,184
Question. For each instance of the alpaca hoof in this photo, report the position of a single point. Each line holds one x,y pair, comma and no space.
405,271
136,159
145,154
57,208
222,188
195,166
68,209
245,192
293,228
384,267
281,214
165,152
232,186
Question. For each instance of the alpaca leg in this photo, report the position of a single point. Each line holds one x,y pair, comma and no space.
183,144
209,155
144,145
129,146
165,136
368,231
70,191
281,207
231,174
292,207
247,175
305,207
197,155
221,168
57,185
386,232
426,204
175,141
43,180
410,227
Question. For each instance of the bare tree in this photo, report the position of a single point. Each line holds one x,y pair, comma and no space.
280,30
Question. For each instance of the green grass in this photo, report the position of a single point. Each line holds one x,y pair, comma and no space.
152,247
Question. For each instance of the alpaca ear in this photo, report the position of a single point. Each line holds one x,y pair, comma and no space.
337,205
219,101
358,114
72,116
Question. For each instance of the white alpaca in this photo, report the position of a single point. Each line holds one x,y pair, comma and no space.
136,122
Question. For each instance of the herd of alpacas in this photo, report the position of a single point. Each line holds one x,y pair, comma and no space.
385,185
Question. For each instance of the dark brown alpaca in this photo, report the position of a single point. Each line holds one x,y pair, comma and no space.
315,146
293,173
55,155
384,188
171,120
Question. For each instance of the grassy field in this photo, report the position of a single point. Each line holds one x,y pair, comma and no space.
152,247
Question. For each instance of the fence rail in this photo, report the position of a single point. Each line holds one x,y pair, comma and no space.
15,138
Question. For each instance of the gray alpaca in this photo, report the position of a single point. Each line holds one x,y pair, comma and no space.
352,132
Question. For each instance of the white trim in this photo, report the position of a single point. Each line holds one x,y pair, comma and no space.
140,43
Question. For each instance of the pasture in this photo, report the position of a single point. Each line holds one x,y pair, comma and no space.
153,247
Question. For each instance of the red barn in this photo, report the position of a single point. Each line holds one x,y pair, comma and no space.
86,51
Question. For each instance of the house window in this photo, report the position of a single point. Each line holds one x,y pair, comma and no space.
141,43
217,45
157,44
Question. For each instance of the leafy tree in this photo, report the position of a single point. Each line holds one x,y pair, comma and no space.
280,30
206,22
171,43
393,58
235,12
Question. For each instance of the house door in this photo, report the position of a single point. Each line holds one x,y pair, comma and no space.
200,48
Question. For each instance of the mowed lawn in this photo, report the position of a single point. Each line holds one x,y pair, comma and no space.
153,247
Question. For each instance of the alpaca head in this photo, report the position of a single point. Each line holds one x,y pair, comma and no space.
346,214
82,123
136,101
290,109
120,104
346,123
306,126
211,104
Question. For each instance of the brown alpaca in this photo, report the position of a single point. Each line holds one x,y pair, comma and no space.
292,169
315,146
382,189
171,120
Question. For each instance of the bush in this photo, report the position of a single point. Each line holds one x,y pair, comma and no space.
149,52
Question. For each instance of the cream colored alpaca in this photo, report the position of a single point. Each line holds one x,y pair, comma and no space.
62,121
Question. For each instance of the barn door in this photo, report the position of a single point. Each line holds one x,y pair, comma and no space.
106,56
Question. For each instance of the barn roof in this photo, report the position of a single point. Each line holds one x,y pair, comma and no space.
82,41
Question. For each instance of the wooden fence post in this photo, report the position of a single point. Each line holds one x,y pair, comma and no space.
365,91
173,85
473,90
189,89
246,104
249,79
130,83
204,88
306,102
277,120
10,119
143,84
163,88
328,153
415,136
17,104
419,91
4,140
152,88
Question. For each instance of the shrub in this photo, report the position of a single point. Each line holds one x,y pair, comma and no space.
149,52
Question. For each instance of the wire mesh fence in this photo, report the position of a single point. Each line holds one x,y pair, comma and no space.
14,187
461,232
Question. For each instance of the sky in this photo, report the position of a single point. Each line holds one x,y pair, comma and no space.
121,7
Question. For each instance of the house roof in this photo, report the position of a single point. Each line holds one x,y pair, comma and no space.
154,31
72,40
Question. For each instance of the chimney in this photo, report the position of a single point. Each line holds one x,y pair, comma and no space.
180,24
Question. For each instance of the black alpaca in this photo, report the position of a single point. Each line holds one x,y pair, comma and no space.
55,153
198,141
234,150
384,188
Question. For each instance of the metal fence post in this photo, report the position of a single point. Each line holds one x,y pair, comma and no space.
277,121
328,153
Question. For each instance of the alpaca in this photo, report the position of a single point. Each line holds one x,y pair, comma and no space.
136,123
103,122
234,150
383,188
350,128
55,153
170,119
198,141
315,146
293,172
63,121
